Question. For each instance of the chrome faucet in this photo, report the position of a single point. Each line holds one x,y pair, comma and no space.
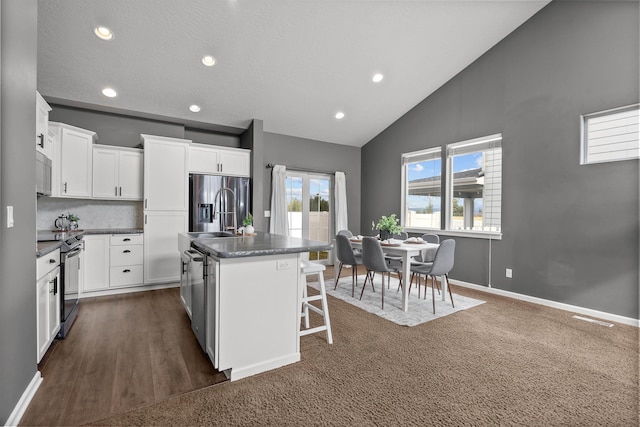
216,212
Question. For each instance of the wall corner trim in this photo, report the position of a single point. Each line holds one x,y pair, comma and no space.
25,399
553,304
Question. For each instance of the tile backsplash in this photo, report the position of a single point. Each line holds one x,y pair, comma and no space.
92,213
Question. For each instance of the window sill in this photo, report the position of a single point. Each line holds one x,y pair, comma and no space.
457,233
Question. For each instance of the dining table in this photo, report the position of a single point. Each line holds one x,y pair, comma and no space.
407,249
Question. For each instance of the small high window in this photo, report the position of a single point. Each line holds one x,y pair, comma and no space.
609,136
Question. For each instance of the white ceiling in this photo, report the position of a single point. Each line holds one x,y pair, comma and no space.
293,63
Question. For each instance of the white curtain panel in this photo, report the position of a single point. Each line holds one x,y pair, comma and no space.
342,222
279,223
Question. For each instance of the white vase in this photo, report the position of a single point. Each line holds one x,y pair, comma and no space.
248,229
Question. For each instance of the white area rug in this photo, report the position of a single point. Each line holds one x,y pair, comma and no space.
420,310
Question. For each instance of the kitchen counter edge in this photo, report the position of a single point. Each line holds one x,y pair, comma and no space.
263,244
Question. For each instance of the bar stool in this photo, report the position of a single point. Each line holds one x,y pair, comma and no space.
308,268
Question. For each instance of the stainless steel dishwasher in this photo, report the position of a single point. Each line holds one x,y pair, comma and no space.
195,276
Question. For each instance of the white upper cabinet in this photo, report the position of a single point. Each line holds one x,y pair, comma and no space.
43,143
72,169
166,172
117,173
214,160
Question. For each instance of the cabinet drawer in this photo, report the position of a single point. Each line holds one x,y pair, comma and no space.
126,255
125,239
47,262
125,275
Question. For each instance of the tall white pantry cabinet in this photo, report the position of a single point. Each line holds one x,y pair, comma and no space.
166,210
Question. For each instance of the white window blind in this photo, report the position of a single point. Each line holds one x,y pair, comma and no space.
611,135
421,156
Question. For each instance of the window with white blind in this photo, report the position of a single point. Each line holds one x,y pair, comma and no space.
422,181
609,136
468,196
474,188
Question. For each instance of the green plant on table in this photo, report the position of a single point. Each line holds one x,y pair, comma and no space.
388,223
73,217
248,220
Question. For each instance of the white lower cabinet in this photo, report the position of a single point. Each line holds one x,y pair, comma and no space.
113,261
161,230
47,301
96,262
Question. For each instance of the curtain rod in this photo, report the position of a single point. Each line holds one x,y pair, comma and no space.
271,165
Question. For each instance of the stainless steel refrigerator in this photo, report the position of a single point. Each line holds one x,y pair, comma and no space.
214,200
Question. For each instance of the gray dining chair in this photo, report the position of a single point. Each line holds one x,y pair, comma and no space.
375,262
421,260
441,266
347,256
395,261
345,233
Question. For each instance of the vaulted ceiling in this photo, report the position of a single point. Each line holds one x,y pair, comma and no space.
292,63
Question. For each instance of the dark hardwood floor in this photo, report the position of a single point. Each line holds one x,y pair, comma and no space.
123,351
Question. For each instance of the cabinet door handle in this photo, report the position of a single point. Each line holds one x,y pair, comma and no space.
145,219
65,187
116,190
41,143
126,271
145,206
126,251
52,260
120,191
126,239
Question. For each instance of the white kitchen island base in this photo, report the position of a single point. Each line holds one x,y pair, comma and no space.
253,313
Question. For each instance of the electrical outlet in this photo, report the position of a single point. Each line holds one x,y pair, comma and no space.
283,265
509,273
267,214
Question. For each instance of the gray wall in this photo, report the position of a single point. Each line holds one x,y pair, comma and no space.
570,232
314,155
17,183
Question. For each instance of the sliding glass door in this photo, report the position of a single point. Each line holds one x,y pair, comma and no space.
309,209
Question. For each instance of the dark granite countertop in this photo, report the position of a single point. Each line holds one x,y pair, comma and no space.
114,231
53,237
260,245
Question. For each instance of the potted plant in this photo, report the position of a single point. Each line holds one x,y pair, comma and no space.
388,226
73,221
247,223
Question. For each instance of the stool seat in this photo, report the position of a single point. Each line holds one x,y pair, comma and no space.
309,268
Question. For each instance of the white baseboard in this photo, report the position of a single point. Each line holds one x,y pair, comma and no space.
24,401
553,304
132,289
246,371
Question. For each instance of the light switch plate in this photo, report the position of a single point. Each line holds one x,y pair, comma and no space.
267,214
509,273
10,221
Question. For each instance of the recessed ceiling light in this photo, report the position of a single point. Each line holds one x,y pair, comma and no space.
107,91
208,60
377,78
103,32
194,108
339,115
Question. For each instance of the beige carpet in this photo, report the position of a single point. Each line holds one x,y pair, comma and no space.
501,363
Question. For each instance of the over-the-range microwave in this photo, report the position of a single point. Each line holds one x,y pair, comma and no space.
43,175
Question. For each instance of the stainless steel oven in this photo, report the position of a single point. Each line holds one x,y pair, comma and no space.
70,273
70,264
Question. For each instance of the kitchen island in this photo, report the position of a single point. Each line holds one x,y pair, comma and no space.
252,299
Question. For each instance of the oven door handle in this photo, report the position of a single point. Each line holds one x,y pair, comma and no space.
73,253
